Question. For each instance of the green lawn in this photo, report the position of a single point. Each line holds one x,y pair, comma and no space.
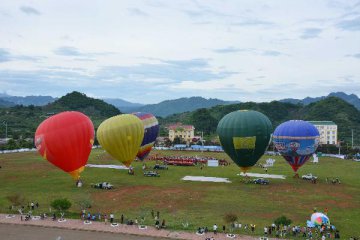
199,203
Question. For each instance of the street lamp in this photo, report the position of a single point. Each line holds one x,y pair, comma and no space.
6,124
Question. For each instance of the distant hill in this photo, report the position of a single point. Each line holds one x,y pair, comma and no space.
123,105
28,100
23,120
350,98
345,115
180,105
4,103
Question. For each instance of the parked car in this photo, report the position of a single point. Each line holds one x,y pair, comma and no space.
261,181
309,176
160,167
103,185
151,174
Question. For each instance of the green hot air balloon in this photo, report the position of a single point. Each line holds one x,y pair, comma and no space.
244,136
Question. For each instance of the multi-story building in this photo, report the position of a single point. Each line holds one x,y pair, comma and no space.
184,132
328,131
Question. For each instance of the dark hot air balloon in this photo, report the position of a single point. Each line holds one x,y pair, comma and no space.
244,136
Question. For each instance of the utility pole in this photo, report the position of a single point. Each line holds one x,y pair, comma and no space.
6,124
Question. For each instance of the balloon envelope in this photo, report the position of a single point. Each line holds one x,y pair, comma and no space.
244,136
151,131
319,219
65,140
296,140
121,137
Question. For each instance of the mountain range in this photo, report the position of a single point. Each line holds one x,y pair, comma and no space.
22,121
351,98
168,107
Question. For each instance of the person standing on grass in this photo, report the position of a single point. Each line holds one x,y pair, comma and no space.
105,218
122,219
224,228
215,227
111,218
152,214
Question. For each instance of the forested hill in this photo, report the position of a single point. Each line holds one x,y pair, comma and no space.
180,105
350,98
345,115
23,120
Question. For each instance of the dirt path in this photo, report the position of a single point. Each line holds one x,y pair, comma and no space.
96,228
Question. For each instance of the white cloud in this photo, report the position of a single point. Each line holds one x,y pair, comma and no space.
170,49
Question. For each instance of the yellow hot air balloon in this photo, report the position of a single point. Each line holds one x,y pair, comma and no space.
121,137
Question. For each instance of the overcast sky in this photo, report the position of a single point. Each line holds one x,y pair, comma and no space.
149,51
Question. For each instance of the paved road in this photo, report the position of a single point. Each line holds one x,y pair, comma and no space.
21,232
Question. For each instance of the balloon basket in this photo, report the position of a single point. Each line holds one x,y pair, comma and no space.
296,175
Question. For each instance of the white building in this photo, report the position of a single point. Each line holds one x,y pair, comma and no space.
328,131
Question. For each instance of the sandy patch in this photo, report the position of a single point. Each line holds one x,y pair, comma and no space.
107,166
261,175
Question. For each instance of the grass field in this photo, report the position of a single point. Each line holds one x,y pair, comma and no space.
199,203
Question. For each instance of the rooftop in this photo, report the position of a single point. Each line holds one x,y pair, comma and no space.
322,122
177,126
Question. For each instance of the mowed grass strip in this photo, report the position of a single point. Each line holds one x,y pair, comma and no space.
196,203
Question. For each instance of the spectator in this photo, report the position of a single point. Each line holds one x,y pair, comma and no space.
152,214
215,227
111,218
157,224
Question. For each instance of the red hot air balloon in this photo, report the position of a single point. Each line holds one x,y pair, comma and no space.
65,140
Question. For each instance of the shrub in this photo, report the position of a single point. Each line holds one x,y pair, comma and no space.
16,199
61,204
230,218
282,221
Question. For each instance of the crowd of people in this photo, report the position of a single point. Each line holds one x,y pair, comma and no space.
186,160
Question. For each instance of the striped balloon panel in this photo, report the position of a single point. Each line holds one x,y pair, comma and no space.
296,162
151,131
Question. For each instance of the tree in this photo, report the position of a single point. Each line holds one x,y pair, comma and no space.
16,199
61,204
177,140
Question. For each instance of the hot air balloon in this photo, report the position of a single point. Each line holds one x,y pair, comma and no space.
151,131
244,136
121,137
296,140
319,219
65,140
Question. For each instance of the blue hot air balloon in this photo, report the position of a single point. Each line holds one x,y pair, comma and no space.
296,140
